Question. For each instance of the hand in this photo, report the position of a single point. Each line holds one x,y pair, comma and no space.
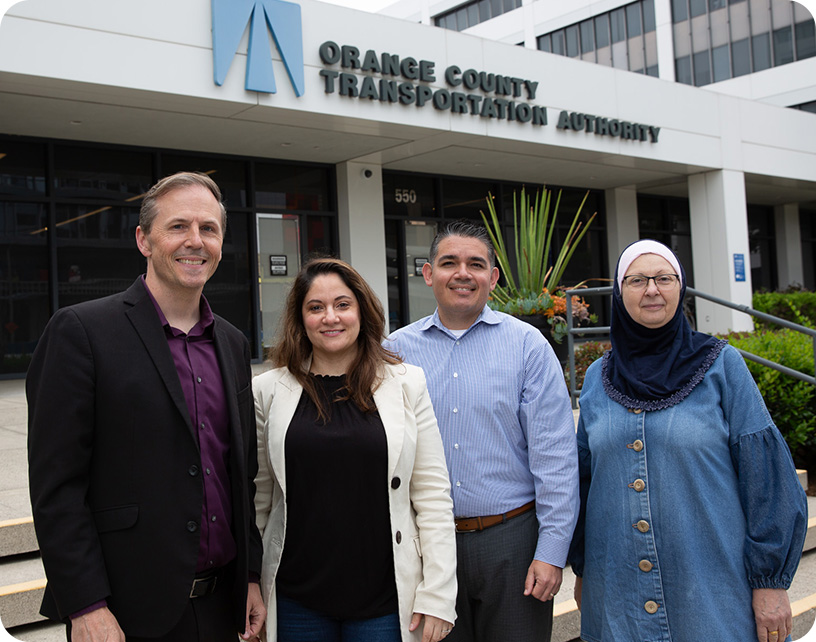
97,626
772,613
255,612
579,585
435,628
543,581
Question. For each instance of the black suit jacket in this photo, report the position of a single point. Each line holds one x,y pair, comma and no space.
115,469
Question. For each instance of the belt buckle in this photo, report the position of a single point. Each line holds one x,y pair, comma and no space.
201,580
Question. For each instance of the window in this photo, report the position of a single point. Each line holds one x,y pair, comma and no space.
761,47
809,107
24,306
617,21
783,46
100,173
462,19
740,57
473,14
229,174
572,41
722,66
409,196
22,168
648,16
682,70
558,43
702,69
697,8
633,25
545,43
602,31
291,187
465,198
587,37
805,33
679,11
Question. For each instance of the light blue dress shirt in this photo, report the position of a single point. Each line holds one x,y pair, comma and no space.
687,510
503,410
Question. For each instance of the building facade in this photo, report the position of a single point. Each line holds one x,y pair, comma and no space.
358,134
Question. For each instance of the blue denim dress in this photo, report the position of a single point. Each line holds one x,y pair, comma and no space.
684,511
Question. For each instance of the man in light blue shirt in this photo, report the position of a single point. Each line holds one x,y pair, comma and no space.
503,410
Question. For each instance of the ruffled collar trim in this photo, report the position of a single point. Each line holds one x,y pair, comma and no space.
667,402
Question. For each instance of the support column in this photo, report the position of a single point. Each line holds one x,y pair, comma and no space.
665,40
361,223
719,232
788,246
621,222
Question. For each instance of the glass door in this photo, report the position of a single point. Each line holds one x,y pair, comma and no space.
418,238
278,263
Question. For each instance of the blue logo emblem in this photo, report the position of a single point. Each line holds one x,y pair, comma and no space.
282,19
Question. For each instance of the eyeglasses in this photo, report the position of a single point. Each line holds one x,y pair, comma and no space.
641,281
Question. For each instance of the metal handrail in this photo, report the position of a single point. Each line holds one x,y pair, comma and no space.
605,290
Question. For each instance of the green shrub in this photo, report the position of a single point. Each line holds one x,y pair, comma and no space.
585,354
791,402
797,306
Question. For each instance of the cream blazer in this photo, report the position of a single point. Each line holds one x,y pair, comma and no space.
420,504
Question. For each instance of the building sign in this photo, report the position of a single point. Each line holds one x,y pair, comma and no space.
607,126
739,267
398,80
387,78
282,19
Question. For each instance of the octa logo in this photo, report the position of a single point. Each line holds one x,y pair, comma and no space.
280,18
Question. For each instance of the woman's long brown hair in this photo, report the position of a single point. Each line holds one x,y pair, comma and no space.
293,348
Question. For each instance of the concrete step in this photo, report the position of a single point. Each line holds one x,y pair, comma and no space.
17,536
23,584
40,632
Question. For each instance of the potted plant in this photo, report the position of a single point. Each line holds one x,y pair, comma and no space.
532,288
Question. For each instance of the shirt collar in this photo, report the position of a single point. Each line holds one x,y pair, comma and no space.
205,311
491,317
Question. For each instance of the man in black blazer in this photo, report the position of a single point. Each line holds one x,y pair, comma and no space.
142,450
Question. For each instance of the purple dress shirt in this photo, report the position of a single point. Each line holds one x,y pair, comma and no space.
200,377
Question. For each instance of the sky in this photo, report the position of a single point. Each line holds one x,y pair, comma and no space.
376,5
363,5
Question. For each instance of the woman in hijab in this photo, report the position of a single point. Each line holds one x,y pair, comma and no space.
692,518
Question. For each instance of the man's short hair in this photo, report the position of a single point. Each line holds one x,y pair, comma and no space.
466,229
150,208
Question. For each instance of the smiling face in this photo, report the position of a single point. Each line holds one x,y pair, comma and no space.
331,316
652,307
462,280
183,247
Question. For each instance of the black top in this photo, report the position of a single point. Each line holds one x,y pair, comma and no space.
337,557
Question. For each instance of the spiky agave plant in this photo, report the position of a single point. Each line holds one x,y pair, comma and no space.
533,228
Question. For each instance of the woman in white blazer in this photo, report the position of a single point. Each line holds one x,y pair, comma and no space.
352,494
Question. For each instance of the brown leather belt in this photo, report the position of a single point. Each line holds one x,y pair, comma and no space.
474,524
